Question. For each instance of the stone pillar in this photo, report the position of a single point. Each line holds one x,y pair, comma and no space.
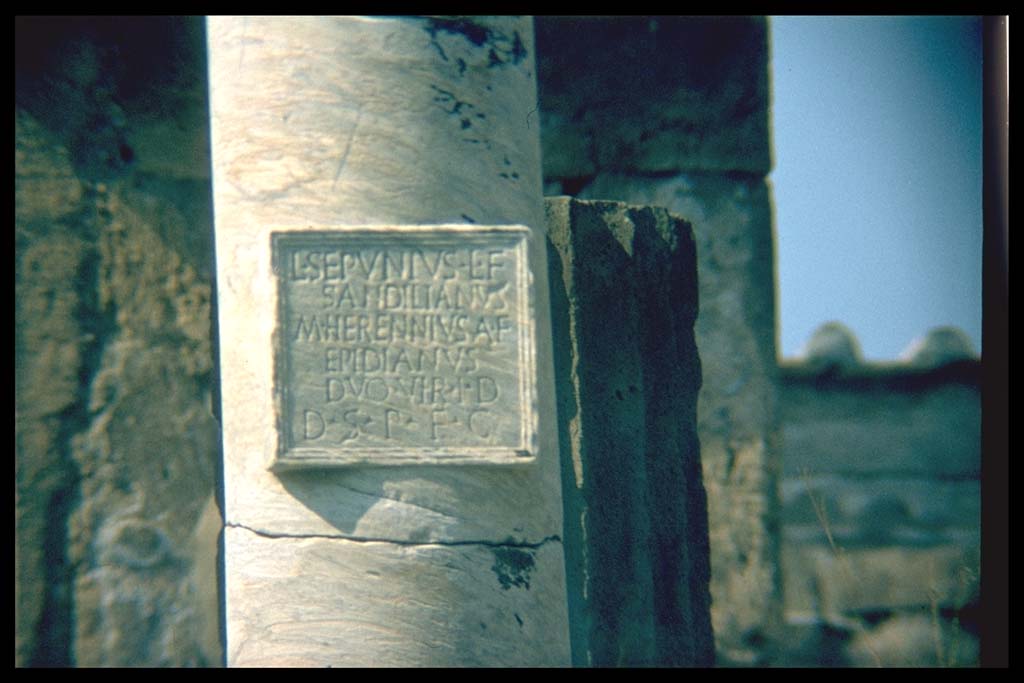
627,376
325,123
673,112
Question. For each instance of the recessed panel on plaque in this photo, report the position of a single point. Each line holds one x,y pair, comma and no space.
404,345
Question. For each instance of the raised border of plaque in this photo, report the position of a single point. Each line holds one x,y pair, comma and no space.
404,345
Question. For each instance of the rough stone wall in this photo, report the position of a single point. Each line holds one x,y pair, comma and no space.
673,112
116,444
881,500
624,301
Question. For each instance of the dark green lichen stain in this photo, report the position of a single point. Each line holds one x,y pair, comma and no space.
472,32
501,49
512,566
446,98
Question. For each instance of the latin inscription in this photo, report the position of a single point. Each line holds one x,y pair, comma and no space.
404,345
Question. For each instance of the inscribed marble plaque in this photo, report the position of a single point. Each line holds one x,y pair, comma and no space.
404,345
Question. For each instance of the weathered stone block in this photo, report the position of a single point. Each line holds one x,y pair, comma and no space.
736,413
624,304
653,94
914,640
939,346
832,346
878,420
823,581
880,510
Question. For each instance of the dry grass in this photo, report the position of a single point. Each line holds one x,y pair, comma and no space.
844,563
945,652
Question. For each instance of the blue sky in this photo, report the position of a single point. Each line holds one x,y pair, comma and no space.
877,181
